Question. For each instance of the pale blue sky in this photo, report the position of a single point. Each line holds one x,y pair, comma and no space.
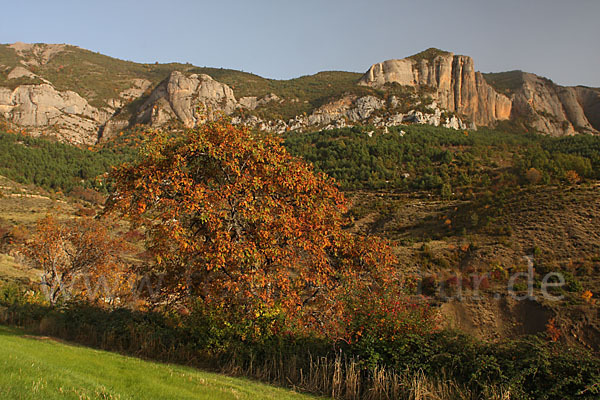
284,39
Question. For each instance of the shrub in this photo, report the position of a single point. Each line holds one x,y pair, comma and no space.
86,194
533,176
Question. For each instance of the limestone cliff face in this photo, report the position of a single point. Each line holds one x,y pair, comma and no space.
179,98
491,105
43,108
554,109
590,101
457,86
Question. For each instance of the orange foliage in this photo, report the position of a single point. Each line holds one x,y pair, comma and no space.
533,176
77,258
235,220
572,177
552,331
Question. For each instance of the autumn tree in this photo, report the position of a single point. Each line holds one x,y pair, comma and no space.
572,177
77,257
533,176
234,220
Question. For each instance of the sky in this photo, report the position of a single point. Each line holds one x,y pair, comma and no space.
283,39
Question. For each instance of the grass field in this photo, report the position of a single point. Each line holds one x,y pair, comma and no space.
42,368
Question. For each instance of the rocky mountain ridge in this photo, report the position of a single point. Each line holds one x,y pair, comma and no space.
82,97
457,86
188,99
546,107
551,108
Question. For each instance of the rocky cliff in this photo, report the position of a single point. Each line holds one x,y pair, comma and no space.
534,101
186,99
41,108
550,108
189,99
589,99
456,85
81,96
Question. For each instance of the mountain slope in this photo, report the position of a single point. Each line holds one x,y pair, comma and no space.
82,97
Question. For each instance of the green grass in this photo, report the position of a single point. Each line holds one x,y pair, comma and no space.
41,368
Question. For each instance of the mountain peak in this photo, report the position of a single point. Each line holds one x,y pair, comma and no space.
429,54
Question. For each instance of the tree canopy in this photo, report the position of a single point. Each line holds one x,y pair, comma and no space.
233,219
78,258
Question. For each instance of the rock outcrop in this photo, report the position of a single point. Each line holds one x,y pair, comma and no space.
137,89
349,108
456,86
41,108
19,72
590,101
353,110
186,99
36,54
252,102
556,110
